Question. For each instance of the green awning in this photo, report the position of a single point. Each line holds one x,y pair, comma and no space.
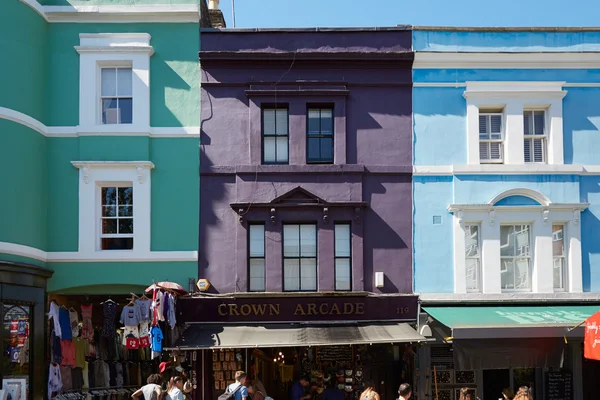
511,321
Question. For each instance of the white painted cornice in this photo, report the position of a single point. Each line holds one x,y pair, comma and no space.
116,49
432,298
455,60
118,13
500,89
505,169
488,207
101,130
113,164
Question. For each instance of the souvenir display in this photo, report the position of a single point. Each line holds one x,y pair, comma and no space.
103,347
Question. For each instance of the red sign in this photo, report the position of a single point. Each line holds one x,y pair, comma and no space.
592,337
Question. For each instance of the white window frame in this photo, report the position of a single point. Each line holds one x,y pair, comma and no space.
117,97
528,257
113,50
116,185
514,98
541,218
564,258
95,175
490,141
300,257
257,257
532,138
476,258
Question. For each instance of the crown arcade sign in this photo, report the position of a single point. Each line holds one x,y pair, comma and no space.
292,309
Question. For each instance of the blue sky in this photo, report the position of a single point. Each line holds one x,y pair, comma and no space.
336,13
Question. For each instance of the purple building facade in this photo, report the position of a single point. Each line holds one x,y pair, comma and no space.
306,160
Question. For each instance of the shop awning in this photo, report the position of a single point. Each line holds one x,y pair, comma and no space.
204,336
511,321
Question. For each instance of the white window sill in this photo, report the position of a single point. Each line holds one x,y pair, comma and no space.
506,169
114,129
122,255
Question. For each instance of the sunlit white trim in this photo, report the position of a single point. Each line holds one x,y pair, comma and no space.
23,119
525,192
106,130
504,169
506,297
464,60
120,13
37,254
540,218
23,251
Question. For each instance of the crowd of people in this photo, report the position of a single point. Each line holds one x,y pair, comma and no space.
175,388
524,393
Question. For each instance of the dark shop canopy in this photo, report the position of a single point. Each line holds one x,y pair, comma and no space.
208,336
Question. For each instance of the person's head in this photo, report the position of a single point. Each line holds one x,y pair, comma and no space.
467,394
304,380
175,382
523,394
405,391
154,379
240,376
251,388
508,393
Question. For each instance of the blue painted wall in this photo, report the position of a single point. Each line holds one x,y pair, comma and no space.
453,41
439,130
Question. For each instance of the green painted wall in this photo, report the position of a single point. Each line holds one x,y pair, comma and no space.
63,199
176,198
79,275
175,186
23,163
24,62
174,72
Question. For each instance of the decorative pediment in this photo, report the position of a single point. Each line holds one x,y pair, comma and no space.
299,197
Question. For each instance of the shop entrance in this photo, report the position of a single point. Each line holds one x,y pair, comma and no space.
346,368
494,381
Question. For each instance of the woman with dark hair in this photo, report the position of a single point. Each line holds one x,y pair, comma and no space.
508,394
151,391
175,388
467,394
254,392
369,393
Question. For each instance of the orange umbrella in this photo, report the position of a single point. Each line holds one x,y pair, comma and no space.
172,286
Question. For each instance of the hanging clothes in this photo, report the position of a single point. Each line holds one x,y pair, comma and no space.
65,324
158,306
171,318
144,306
54,314
87,331
110,313
157,337
67,349
54,380
74,319
131,316
56,349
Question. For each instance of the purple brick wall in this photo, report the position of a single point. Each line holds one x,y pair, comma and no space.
366,76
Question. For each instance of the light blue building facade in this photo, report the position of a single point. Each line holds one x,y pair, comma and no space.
506,204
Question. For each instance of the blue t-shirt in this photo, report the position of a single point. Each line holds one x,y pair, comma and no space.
241,393
65,324
297,391
157,337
